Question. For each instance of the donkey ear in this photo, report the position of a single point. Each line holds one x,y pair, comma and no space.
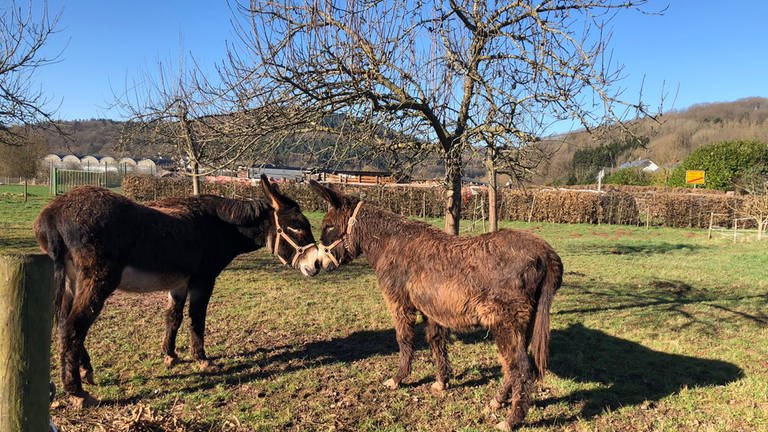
326,193
272,192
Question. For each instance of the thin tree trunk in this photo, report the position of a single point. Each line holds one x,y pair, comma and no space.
493,206
453,193
195,178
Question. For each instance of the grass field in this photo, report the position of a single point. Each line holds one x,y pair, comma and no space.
653,330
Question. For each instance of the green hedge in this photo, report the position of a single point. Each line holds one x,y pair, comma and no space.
722,163
629,177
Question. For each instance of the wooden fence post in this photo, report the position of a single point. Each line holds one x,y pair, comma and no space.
26,308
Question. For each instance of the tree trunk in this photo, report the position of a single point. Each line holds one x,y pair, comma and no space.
26,309
25,189
453,190
195,177
493,206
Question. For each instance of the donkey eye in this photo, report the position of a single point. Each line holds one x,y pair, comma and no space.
329,228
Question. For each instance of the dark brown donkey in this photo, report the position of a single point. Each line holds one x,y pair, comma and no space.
101,241
503,281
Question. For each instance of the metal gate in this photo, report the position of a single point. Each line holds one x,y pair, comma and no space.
63,180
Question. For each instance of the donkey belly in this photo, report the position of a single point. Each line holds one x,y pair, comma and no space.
448,306
139,281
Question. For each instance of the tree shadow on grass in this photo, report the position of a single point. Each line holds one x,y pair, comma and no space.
631,248
668,296
18,244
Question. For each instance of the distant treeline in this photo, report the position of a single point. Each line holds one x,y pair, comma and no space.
667,142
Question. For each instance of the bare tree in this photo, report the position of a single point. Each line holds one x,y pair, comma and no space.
449,72
23,34
754,181
516,160
208,126
23,159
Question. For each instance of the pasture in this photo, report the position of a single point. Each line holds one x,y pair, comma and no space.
653,330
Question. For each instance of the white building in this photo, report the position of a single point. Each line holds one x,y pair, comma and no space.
645,165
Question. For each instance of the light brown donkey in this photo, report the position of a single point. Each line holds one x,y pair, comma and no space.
504,281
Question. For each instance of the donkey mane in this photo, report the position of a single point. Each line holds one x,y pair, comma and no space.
234,211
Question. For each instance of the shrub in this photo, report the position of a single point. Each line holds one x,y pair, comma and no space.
629,176
722,162
660,177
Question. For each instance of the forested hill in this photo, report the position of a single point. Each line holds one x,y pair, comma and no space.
670,141
95,137
676,135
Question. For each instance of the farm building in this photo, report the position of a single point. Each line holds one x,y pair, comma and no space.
322,175
645,165
278,173
346,176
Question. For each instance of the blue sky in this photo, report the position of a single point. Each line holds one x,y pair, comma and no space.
699,51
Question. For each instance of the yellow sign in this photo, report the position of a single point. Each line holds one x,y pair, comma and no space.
694,177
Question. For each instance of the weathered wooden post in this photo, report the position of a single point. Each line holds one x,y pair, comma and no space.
54,180
26,308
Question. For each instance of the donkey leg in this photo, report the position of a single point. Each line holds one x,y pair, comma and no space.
173,317
199,294
518,376
404,318
90,295
86,369
437,338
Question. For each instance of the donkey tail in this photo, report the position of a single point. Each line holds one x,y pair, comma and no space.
52,243
539,341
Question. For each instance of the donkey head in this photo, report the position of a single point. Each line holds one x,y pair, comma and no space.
336,247
290,238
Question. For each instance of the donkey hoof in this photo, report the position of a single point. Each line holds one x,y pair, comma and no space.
85,400
86,376
391,384
208,366
503,426
170,361
438,388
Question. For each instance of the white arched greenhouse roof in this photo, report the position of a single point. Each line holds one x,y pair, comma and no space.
52,159
70,161
89,162
146,166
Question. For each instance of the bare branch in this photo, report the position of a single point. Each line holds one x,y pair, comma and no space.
22,37
461,74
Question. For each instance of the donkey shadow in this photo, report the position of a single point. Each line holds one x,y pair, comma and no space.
629,373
